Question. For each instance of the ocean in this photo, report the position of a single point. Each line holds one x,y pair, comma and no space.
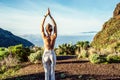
73,39
37,40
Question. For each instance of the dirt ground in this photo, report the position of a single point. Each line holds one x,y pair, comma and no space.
71,69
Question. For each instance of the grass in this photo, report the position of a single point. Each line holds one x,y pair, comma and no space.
6,72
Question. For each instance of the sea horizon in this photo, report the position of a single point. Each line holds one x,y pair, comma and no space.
61,39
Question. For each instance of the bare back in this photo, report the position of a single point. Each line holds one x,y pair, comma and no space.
49,42
49,39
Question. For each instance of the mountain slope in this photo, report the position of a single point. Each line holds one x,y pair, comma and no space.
110,33
9,39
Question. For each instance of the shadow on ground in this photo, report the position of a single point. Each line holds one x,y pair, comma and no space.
67,62
66,57
66,76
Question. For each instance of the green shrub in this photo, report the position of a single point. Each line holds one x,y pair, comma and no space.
20,52
82,44
96,58
3,53
35,56
65,49
113,58
2,69
83,54
2,49
62,75
6,71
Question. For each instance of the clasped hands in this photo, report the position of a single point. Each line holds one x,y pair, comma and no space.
48,13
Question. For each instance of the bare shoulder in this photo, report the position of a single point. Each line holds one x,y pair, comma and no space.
54,36
43,35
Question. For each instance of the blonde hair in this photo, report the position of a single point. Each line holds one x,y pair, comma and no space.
49,27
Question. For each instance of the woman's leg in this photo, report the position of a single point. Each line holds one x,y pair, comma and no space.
46,69
53,63
46,66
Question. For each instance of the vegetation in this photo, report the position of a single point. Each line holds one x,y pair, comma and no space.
105,48
72,49
11,57
8,66
6,71
96,58
35,57
83,54
3,52
113,58
8,39
62,75
20,52
82,49
66,49
82,44
107,41
110,34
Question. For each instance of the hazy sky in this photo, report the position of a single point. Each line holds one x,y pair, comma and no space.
72,16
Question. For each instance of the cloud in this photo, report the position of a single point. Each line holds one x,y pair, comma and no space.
75,21
19,21
27,18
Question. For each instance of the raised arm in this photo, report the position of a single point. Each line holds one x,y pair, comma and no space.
54,23
42,26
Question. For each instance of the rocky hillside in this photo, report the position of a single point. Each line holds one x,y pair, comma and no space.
9,39
109,36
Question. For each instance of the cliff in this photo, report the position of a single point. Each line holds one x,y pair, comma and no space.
109,36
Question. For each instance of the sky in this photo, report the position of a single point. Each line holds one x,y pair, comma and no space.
72,16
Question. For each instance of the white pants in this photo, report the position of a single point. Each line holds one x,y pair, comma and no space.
49,62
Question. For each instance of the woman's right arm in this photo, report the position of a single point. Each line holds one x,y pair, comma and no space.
54,23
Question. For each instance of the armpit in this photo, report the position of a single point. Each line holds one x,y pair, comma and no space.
43,34
55,35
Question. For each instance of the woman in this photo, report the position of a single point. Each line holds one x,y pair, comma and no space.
49,57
